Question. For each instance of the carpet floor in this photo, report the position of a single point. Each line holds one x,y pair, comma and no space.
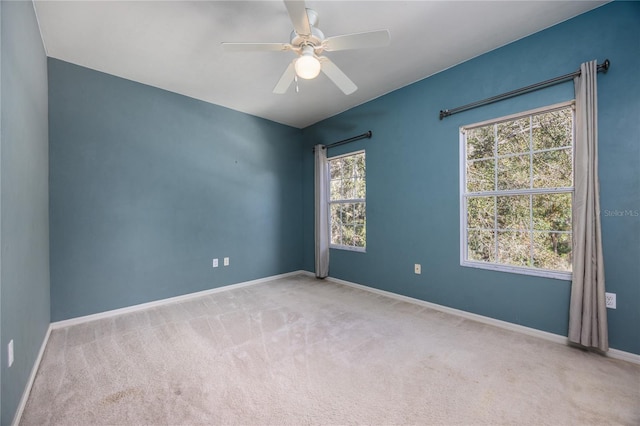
302,351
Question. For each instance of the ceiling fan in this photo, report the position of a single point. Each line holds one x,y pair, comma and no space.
308,43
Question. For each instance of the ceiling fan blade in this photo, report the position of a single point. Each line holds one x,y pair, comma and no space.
357,40
336,75
298,13
286,79
256,47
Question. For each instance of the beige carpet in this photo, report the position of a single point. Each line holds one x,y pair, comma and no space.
302,351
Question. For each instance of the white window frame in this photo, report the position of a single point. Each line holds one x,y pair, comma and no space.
345,201
539,272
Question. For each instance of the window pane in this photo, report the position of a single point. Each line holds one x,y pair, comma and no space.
335,188
552,129
346,215
480,212
335,169
348,189
360,237
552,169
359,210
482,246
480,142
360,167
552,250
348,164
348,235
335,234
480,176
513,172
552,212
513,212
514,248
336,223
513,136
360,188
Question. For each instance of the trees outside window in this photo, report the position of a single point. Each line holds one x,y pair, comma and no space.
347,201
516,192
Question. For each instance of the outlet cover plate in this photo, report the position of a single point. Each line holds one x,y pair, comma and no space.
417,268
226,261
610,300
215,263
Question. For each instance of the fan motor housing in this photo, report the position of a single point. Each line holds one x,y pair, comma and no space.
315,39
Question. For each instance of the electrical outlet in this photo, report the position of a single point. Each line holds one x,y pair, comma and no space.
10,353
610,300
417,268
215,263
226,261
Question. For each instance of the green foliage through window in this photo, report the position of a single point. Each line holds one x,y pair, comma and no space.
347,201
517,192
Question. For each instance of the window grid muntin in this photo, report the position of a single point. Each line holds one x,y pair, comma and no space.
520,154
531,191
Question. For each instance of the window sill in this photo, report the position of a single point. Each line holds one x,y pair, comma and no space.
349,248
545,273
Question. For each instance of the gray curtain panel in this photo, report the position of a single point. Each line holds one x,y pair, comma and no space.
587,312
321,211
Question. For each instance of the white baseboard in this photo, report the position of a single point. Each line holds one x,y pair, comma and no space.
142,306
612,353
624,356
32,377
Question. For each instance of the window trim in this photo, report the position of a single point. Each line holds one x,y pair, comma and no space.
351,200
523,270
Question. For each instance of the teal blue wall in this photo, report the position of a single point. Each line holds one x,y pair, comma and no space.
24,234
413,175
147,187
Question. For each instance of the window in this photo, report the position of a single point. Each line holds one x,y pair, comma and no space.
516,193
347,201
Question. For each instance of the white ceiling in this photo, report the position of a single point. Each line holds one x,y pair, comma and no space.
175,45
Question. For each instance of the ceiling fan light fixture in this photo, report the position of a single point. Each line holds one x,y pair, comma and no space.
307,65
308,42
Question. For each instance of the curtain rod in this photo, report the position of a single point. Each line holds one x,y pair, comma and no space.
366,135
447,112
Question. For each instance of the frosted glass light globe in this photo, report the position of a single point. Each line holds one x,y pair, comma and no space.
307,67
